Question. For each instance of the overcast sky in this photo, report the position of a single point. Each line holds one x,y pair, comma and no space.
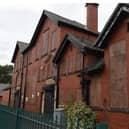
18,19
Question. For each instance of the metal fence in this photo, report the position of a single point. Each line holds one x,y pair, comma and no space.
19,119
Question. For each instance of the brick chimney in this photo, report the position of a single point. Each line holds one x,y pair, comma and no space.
92,16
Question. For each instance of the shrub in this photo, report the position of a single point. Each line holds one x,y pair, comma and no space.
79,116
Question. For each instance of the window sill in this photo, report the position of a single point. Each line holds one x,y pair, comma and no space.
44,55
36,59
53,50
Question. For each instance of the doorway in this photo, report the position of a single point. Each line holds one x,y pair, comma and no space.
49,100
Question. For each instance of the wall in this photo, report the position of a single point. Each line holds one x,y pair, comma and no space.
5,98
37,70
0,99
114,79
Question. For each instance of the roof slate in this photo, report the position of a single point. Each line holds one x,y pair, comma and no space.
83,44
59,20
22,46
95,67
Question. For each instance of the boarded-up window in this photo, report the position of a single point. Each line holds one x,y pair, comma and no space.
25,60
43,74
95,91
53,45
70,64
48,69
62,67
67,65
118,75
36,53
39,50
78,61
51,69
45,42
30,57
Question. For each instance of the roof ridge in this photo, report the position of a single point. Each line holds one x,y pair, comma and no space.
66,18
21,42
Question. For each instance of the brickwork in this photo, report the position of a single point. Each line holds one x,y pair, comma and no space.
108,89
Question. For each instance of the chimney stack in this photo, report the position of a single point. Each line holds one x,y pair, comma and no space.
92,16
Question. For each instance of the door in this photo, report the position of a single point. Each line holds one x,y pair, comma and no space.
49,101
17,99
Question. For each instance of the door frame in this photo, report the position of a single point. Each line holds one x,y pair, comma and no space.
47,88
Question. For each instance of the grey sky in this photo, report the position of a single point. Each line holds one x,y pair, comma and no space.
18,19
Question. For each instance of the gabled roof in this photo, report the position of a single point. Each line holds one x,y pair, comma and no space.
59,20
119,13
85,46
22,46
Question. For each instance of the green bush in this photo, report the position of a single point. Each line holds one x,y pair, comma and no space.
79,116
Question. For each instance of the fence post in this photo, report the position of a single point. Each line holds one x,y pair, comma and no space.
17,113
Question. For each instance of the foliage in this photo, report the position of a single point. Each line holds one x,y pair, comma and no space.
6,73
79,114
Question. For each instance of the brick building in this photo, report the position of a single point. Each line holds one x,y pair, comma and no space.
5,93
34,72
66,61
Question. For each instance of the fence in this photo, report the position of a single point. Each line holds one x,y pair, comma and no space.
19,119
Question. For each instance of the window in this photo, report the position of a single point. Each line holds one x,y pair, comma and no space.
36,53
39,74
53,45
67,65
25,60
118,75
78,61
62,67
70,64
30,57
51,69
45,42
48,69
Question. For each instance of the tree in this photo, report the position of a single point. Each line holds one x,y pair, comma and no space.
6,73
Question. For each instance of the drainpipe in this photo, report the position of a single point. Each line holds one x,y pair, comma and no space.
9,97
85,83
57,84
21,83
83,78
24,96
15,90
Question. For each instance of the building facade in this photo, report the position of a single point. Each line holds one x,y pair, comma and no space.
35,74
67,62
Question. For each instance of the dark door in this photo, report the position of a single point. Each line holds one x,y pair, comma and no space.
49,101
17,99
86,91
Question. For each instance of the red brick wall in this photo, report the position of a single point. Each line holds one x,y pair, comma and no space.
0,99
114,97
5,98
16,78
35,69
